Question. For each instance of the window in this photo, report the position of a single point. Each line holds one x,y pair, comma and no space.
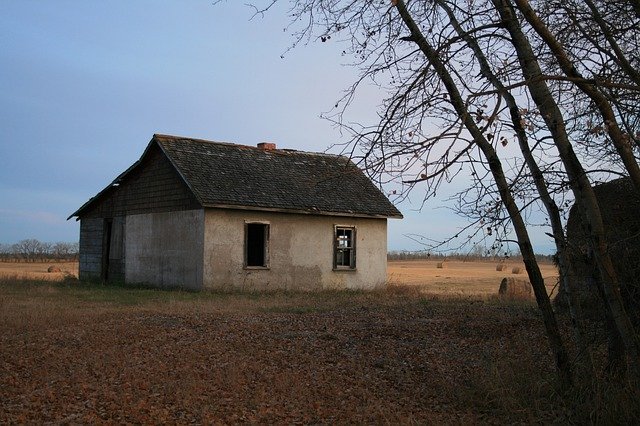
256,245
344,247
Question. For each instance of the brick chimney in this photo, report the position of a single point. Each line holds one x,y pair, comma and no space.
266,146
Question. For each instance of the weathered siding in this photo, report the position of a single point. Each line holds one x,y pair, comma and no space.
116,250
91,234
92,244
165,249
300,252
154,186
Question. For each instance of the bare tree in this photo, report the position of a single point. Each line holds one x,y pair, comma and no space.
580,185
31,250
577,57
464,80
64,251
518,122
28,249
495,166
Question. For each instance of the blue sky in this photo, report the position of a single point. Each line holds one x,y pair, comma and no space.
85,84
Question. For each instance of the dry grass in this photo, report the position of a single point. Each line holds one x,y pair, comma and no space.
87,353
480,279
37,270
79,353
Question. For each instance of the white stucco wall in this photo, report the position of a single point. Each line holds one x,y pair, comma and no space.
300,252
165,249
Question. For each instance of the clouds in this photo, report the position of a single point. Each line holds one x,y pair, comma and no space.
86,84
44,225
33,217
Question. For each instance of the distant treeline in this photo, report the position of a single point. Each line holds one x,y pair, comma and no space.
32,250
464,257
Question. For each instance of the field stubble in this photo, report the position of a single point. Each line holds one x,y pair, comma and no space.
37,270
459,278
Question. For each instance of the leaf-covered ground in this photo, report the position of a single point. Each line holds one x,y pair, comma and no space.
74,354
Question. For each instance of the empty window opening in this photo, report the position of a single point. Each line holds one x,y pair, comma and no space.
344,248
257,244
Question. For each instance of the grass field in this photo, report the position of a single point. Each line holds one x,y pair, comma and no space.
37,270
84,353
457,278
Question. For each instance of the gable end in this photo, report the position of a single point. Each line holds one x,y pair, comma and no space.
151,185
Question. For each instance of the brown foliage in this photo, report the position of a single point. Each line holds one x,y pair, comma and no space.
382,357
73,353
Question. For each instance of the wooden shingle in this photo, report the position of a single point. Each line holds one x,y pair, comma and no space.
228,175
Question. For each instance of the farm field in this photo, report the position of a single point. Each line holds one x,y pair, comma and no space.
78,353
86,354
458,278
37,270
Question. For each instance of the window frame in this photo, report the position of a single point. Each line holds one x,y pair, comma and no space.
352,248
267,234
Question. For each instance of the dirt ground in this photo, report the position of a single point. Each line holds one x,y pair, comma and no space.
437,349
77,354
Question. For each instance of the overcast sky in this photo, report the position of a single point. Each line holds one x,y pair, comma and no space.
85,85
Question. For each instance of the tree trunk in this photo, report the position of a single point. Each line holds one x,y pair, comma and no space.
615,346
541,186
535,276
580,185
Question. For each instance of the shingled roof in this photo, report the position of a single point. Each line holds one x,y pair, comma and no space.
237,176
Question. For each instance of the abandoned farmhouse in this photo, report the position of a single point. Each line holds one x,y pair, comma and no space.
206,215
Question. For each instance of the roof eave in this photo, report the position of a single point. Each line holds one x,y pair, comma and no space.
302,211
114,183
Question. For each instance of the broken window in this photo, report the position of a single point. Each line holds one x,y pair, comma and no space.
256,244
344,247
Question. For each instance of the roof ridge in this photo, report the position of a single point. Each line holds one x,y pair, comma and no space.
177,138
238,145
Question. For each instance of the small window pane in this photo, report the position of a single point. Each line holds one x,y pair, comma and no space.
344,251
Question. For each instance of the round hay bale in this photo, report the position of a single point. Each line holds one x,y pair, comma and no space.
53,269
441,265
516,270
514,288
499,267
